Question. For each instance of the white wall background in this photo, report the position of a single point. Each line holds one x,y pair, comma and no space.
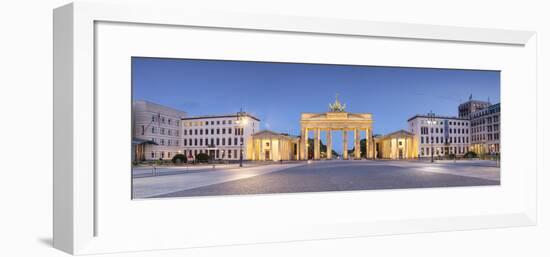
26,128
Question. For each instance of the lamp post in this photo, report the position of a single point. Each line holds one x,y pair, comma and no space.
241,121
431,122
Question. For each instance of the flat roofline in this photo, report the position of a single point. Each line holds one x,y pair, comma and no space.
437,117
475,101
218,116
158,105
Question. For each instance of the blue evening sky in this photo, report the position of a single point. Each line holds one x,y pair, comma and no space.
277,93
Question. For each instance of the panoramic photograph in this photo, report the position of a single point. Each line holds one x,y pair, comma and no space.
221,127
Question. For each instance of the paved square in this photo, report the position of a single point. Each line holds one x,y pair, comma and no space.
318,176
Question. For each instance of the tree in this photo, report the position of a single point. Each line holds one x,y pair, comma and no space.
470,154
202,157
179,158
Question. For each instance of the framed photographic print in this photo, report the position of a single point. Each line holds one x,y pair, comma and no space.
179,128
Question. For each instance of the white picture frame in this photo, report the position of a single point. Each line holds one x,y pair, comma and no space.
77,197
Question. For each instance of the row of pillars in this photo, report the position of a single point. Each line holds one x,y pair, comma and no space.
317,143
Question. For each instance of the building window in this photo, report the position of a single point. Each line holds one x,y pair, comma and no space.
217,131
206,131
142,129
153,130
223,131
153,153
235,141
223,141
229,141
217,141
229,131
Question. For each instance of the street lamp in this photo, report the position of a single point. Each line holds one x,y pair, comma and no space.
241,121
431,122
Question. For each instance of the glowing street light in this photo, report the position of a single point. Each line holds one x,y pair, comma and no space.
241,121
431,122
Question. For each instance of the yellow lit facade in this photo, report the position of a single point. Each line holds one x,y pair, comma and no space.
397,145
271,146
337,119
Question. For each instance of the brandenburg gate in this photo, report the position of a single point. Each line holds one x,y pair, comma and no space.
337,119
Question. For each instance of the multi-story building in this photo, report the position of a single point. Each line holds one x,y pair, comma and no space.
440,135
471,106
219,136
485,127
156,131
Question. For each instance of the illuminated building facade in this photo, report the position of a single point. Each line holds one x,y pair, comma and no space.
485,126
219,136
397,145
440,135
267,145
337,119
156,131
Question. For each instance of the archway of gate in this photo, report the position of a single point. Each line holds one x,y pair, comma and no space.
350,125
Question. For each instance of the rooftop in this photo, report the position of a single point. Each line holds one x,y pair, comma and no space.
399,133
272,133
221,116
436,117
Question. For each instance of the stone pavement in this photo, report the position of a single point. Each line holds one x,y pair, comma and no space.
321,176
150,186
